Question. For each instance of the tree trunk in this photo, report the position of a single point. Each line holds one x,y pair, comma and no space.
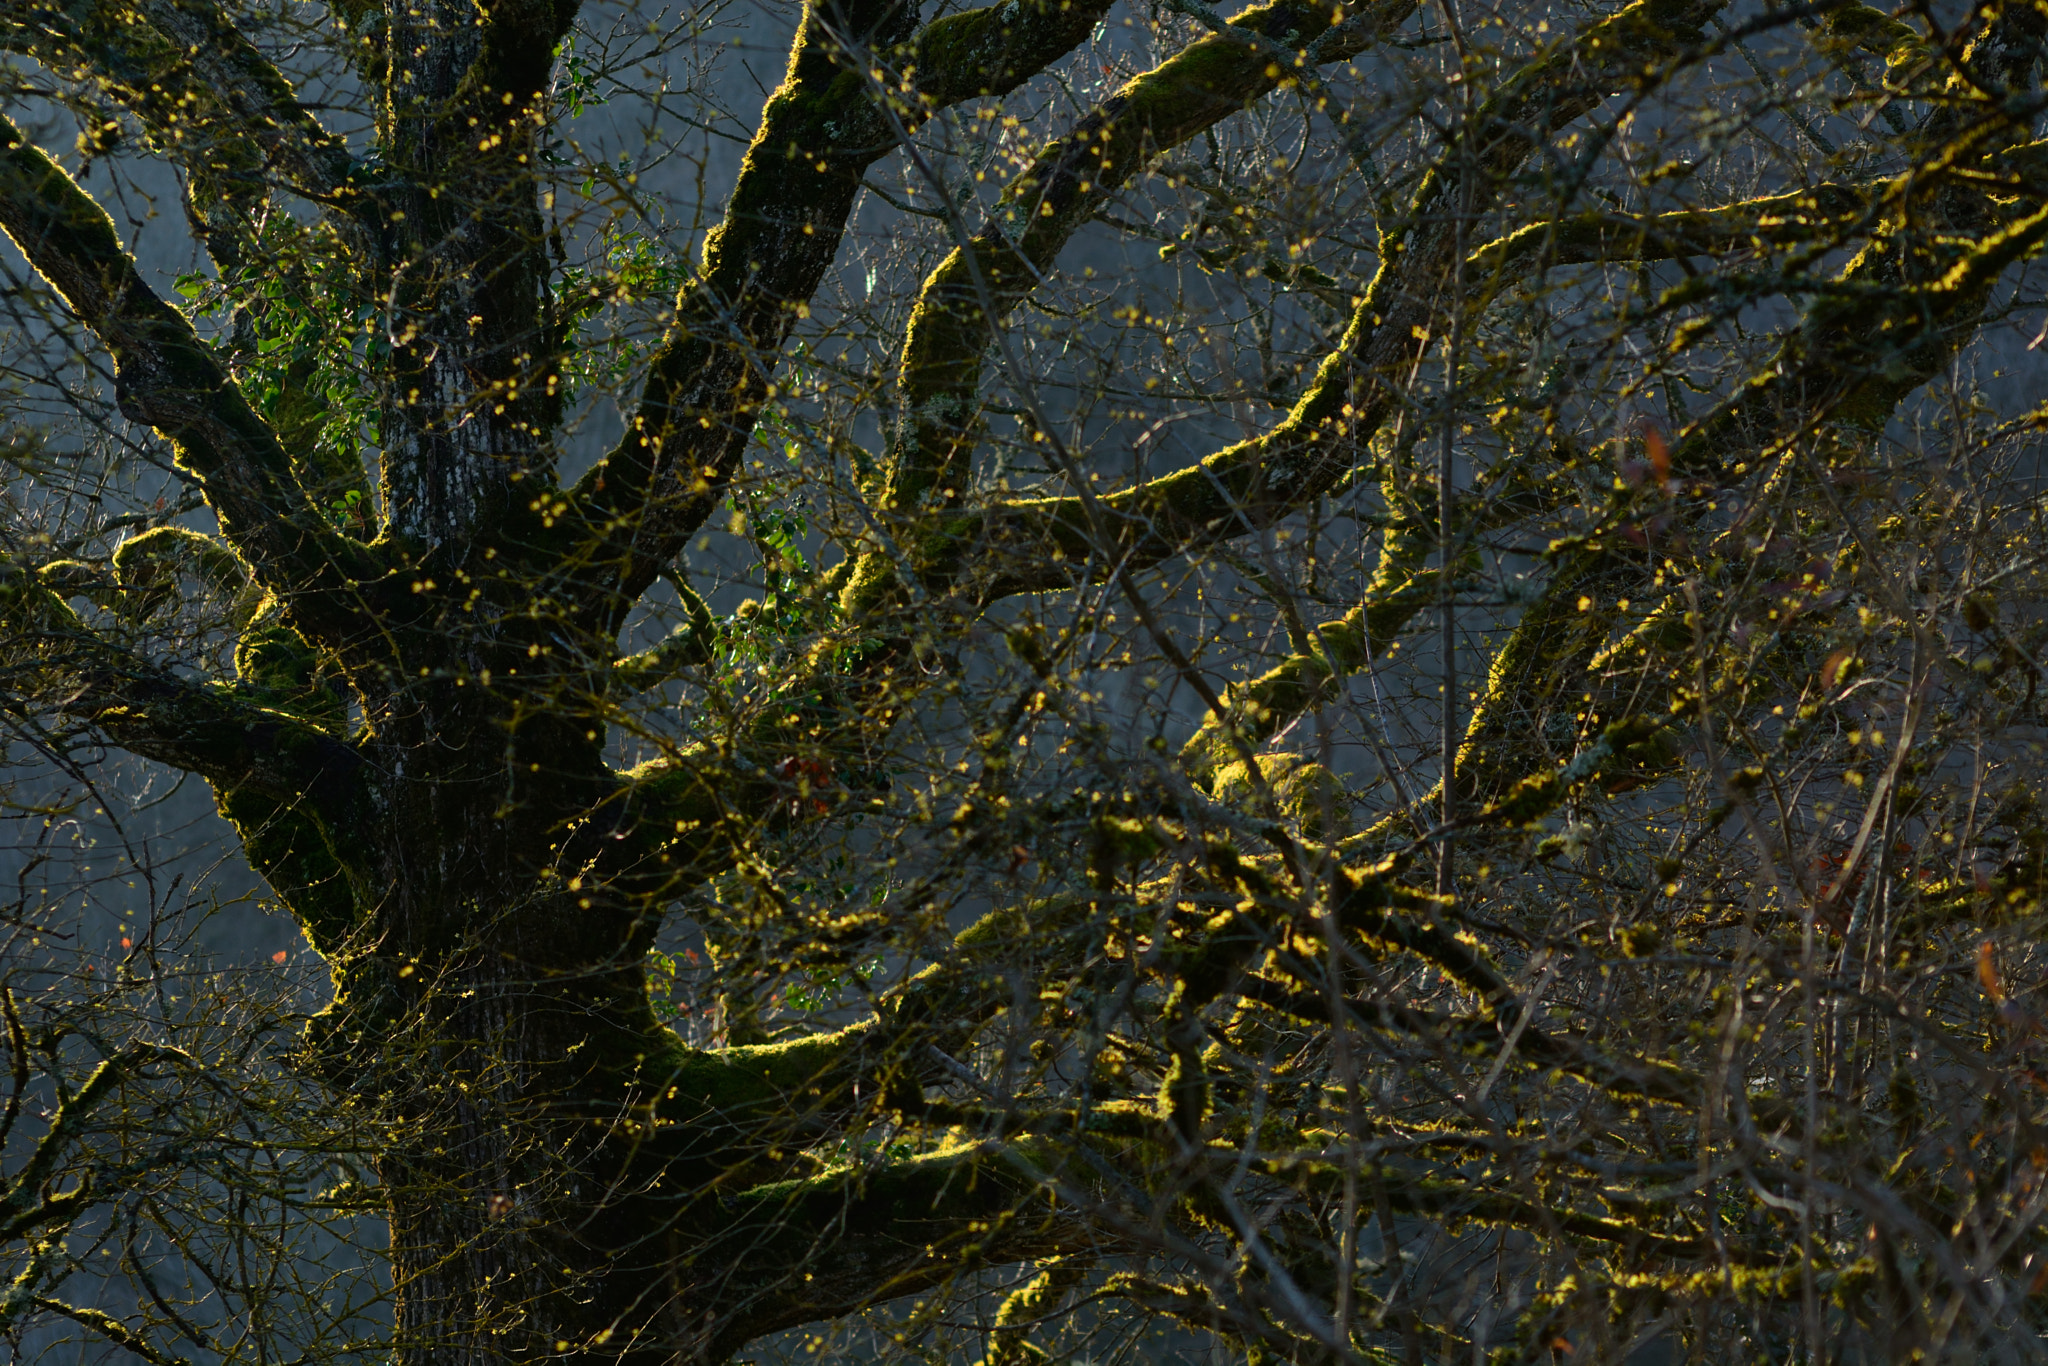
526,1177
495,1012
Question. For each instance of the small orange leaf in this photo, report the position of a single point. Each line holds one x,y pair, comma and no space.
278,957
1987,973
1660,455
126,942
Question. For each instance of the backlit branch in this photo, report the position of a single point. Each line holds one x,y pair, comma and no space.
905,1226
977,286
194,79
149,710
1852,362
782,225
1821,212
205,97
1037,545
167,378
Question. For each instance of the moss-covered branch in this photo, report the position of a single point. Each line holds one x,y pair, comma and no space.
113,1330
208,99
823,126
905,1226
1260,708
167,378
1459,1201
971,293
1909,300
232,740
28,1202
1825,211
1035,545
688,646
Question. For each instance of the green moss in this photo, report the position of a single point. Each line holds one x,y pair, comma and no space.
1263,707
1006,926
1307,793
949,328
69,579
1120,842
346,1042
280,671
957,42
1185,1095
1860,26
1207,79
149,564
1031,1302
725,1092
294,854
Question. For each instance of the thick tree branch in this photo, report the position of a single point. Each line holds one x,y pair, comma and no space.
208,101
1260,708
688,646
800,1251
167,378
208,98
148,710
1908,304
1264,706
462,265
517,59
668,823
730,1109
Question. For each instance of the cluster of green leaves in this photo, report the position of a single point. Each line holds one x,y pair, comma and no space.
628,266
304,340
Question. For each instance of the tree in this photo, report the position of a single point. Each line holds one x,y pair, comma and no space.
1532,846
